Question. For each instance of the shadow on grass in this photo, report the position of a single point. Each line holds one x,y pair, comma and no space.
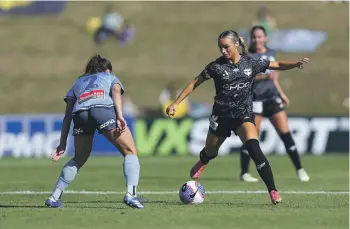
121,202
70,206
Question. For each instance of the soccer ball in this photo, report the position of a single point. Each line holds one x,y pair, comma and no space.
192,192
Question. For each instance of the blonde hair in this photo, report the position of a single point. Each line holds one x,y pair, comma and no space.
233,35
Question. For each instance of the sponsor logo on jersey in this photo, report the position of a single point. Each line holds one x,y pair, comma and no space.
236,86
94,94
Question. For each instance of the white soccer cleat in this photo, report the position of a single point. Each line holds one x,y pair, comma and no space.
303,175
248,178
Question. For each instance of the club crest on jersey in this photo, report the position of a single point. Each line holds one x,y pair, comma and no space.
94,94
247,71
225,75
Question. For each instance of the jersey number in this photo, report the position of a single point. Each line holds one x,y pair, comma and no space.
89,92
91,83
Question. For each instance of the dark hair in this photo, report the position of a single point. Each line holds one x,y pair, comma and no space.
97,64
252,48
233,35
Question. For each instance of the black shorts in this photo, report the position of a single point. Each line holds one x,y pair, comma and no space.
268,108
222,127
100,118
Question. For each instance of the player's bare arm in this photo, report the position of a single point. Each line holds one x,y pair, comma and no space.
171,110
287,65
190,88
66,122
65,130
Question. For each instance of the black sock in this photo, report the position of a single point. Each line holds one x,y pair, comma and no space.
262,164
245,159
291,149
204,158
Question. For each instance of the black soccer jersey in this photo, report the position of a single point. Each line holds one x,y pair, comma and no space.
264,89
233,83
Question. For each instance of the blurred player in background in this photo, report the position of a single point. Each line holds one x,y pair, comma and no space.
269,101
94,102
265,19
233,75
114,25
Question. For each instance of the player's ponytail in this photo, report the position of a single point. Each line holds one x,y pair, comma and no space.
244,47
105,64
97,64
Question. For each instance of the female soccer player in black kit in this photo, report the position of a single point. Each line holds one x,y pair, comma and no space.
233,74
269,101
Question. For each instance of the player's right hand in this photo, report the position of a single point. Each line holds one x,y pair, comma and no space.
121,124
301,62
59,152
171,110
285,99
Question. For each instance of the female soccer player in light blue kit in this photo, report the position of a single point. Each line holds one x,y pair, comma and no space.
94,102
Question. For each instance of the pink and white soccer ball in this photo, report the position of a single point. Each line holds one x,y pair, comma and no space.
192,192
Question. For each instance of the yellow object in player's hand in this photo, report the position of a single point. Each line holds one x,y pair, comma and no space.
93,24
182,110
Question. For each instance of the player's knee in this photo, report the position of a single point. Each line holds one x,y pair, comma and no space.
282,129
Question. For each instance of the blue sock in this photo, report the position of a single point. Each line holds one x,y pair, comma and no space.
68,174
131,168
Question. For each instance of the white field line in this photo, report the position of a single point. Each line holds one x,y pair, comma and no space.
235,192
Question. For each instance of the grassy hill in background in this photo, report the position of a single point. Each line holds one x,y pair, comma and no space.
42,55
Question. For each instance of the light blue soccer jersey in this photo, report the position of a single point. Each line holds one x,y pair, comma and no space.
93,91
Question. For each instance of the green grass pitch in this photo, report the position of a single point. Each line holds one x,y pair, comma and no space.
301,209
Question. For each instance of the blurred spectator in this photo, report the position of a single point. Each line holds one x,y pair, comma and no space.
113,25
346,103
127,33
265,19
130,109
168,95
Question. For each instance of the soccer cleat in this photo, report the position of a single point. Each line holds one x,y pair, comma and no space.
197,170
248,178
133,201
303,175
275,197
52,203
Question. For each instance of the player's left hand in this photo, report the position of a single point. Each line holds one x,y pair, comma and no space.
301,62
285,99
121,124
59,152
